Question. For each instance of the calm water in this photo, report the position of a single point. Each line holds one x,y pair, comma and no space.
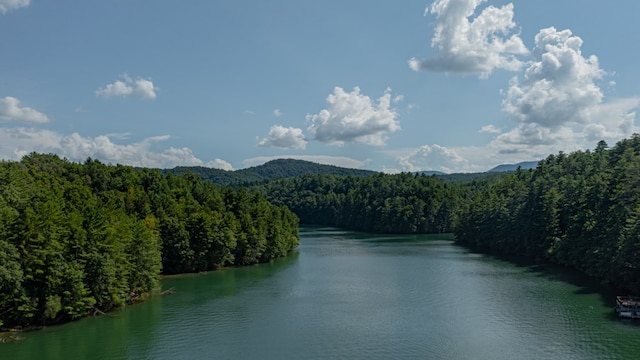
348,295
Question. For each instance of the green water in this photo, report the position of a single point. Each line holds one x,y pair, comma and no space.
346,295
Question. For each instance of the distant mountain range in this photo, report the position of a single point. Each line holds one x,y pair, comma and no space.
271,170
284,168
525,165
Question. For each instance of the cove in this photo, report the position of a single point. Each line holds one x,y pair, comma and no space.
349,295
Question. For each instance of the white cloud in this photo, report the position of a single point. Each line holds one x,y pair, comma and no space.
478,45
7,5
491,129
78,148
558,104
17,142
277,113
219,164
10,110
467,159
433,157
341,161
141,88
353,117
284,138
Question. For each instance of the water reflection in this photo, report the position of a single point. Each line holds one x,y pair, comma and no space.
359,296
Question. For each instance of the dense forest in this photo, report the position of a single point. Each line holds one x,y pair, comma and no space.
271,170
401,203
77,239
580,210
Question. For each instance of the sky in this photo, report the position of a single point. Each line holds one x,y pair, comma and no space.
384,85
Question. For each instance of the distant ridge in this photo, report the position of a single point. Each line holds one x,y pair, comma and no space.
525,165
271,170
430,172
284,168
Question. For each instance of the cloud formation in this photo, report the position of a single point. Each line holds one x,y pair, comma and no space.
219,164
6,5
472,45
17,142
353,117
558,100
128,87
10,110
284,138
433,157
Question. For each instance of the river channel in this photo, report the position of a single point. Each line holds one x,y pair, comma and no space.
348,295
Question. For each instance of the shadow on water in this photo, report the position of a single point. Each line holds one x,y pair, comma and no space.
373,238
203,287
584,284
134,329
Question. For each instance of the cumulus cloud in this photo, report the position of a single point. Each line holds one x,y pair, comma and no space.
6,5
128,87
17,142
10,110
558,100
284,138
353,117
433,157
219,164
491,129
277,113
472,45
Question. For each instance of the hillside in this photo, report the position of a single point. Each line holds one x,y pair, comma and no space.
525,165
274,169
286,168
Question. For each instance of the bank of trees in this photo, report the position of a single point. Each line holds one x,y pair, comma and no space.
581,210
82,238
380,203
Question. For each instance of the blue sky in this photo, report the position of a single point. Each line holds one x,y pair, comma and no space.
448,85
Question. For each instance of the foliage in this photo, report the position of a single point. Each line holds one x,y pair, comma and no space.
580,210
401,203
271,170
83,238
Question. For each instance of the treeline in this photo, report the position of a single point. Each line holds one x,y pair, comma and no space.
77,239
402,203
580,210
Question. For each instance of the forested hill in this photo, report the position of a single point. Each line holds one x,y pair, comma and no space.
580,210
525,165
274,169
382,203
77,239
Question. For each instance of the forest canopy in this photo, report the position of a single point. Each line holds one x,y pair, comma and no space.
76,239
580,210
82,238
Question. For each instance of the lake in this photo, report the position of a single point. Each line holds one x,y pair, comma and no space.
349,295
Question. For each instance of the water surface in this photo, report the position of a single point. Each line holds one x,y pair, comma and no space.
347,295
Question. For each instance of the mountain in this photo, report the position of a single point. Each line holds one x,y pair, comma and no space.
525,165
274,169
430,172
284,168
